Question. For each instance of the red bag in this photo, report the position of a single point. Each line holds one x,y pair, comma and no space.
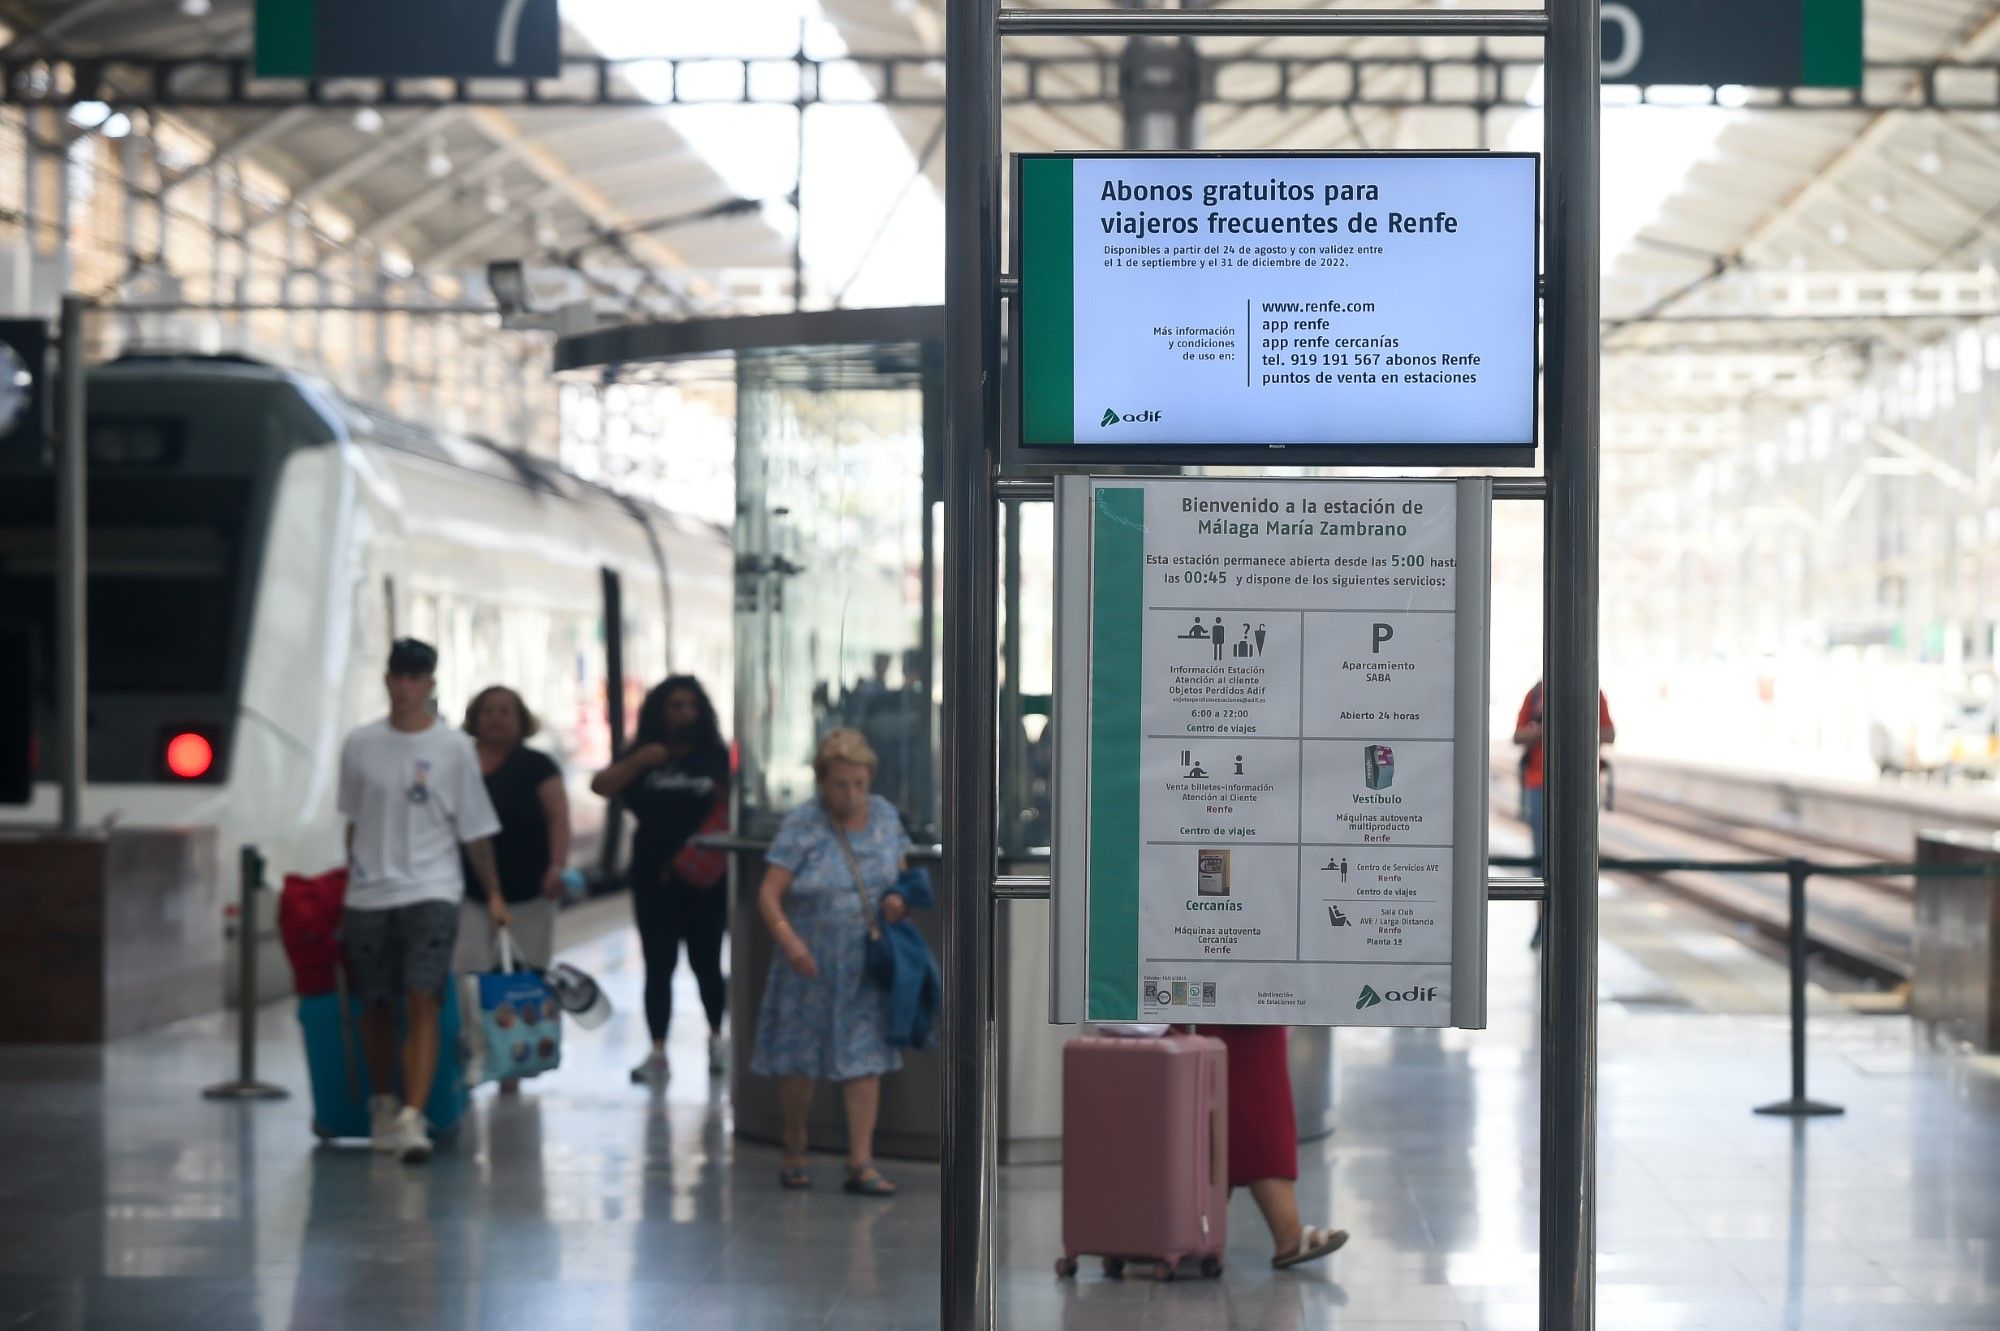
309,926
699,866
1145,1151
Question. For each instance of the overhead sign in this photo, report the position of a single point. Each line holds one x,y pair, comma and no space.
398,39
1761,43
1177,302
1272,694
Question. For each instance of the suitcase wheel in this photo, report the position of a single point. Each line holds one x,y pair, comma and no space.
1164,1268
1065,1267
1114,1267
319,1131
1211,1267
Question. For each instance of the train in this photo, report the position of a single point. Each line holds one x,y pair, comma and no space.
256,541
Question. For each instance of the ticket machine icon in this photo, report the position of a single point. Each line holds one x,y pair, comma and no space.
1378,766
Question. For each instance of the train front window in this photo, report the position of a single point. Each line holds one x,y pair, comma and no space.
165,555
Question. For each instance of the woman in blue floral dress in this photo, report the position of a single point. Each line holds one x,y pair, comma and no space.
822,1018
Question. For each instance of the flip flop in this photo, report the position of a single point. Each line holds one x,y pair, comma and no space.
1314,1243
868,1182
795,1177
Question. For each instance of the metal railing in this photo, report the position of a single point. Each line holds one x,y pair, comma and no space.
1796,870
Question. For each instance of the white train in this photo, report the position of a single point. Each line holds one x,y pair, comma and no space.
257,540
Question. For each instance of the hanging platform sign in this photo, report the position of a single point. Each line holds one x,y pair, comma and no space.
307,39
1271,748
1762,43
1181,306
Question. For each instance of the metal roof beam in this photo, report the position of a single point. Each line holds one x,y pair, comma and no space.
58,25
1083,79
648,252
384,148
250,140
434,195
445,256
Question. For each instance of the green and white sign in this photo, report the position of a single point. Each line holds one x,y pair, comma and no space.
1329,300
1272,697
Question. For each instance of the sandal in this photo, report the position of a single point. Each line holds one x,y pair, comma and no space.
795,1177
1314,1243
867,1181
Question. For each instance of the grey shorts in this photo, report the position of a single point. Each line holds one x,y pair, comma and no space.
402,950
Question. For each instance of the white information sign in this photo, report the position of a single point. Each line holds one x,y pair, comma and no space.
1308,299
1282,740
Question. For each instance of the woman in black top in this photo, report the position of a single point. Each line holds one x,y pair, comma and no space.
672,777
532,848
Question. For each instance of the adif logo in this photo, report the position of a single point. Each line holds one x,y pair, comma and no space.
1421,994
1111,417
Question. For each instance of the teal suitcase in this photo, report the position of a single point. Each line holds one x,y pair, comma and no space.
339,1073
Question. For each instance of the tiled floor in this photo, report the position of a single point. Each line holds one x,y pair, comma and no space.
126,1201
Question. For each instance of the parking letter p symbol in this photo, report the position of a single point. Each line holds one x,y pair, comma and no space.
1382,634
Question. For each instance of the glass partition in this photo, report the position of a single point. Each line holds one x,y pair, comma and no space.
833,568
827,430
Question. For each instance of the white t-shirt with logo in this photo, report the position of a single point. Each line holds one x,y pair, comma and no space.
413,797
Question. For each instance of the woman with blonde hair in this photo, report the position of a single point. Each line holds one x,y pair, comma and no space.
830,872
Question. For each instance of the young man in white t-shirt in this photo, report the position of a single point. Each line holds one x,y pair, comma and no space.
412,793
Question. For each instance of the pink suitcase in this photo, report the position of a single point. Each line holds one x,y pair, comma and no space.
1145,1152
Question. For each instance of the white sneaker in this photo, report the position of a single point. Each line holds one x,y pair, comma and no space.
651,1072
413,1137
718,1055
382,1122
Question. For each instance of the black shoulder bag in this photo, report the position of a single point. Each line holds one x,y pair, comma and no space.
878,961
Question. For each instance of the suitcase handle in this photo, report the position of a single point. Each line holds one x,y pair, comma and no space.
1218,1142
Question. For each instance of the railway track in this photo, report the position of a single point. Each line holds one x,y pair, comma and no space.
1861,926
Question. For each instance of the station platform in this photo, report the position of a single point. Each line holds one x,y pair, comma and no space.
128,1201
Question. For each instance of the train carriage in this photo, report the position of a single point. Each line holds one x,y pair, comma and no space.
256,540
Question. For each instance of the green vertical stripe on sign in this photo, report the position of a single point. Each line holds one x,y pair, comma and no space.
284,38
1048,301
1832,40
1117,596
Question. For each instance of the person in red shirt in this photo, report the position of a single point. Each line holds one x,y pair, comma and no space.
1528,734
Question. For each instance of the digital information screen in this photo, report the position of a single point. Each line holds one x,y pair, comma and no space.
1314,300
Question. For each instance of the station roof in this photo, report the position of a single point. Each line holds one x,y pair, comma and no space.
451,187
1756,257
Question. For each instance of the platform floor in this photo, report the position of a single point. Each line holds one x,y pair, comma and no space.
126,1201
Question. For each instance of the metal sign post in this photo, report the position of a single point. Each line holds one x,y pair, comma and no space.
1569,667
975,285
72,654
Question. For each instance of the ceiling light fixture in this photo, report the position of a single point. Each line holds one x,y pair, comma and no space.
89,115
196,8
1931,162
437,162
496,198
367,120
1837,233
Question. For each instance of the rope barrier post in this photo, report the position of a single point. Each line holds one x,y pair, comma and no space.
1798,1105
246,1086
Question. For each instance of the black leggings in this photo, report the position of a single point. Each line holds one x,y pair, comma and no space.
669,914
